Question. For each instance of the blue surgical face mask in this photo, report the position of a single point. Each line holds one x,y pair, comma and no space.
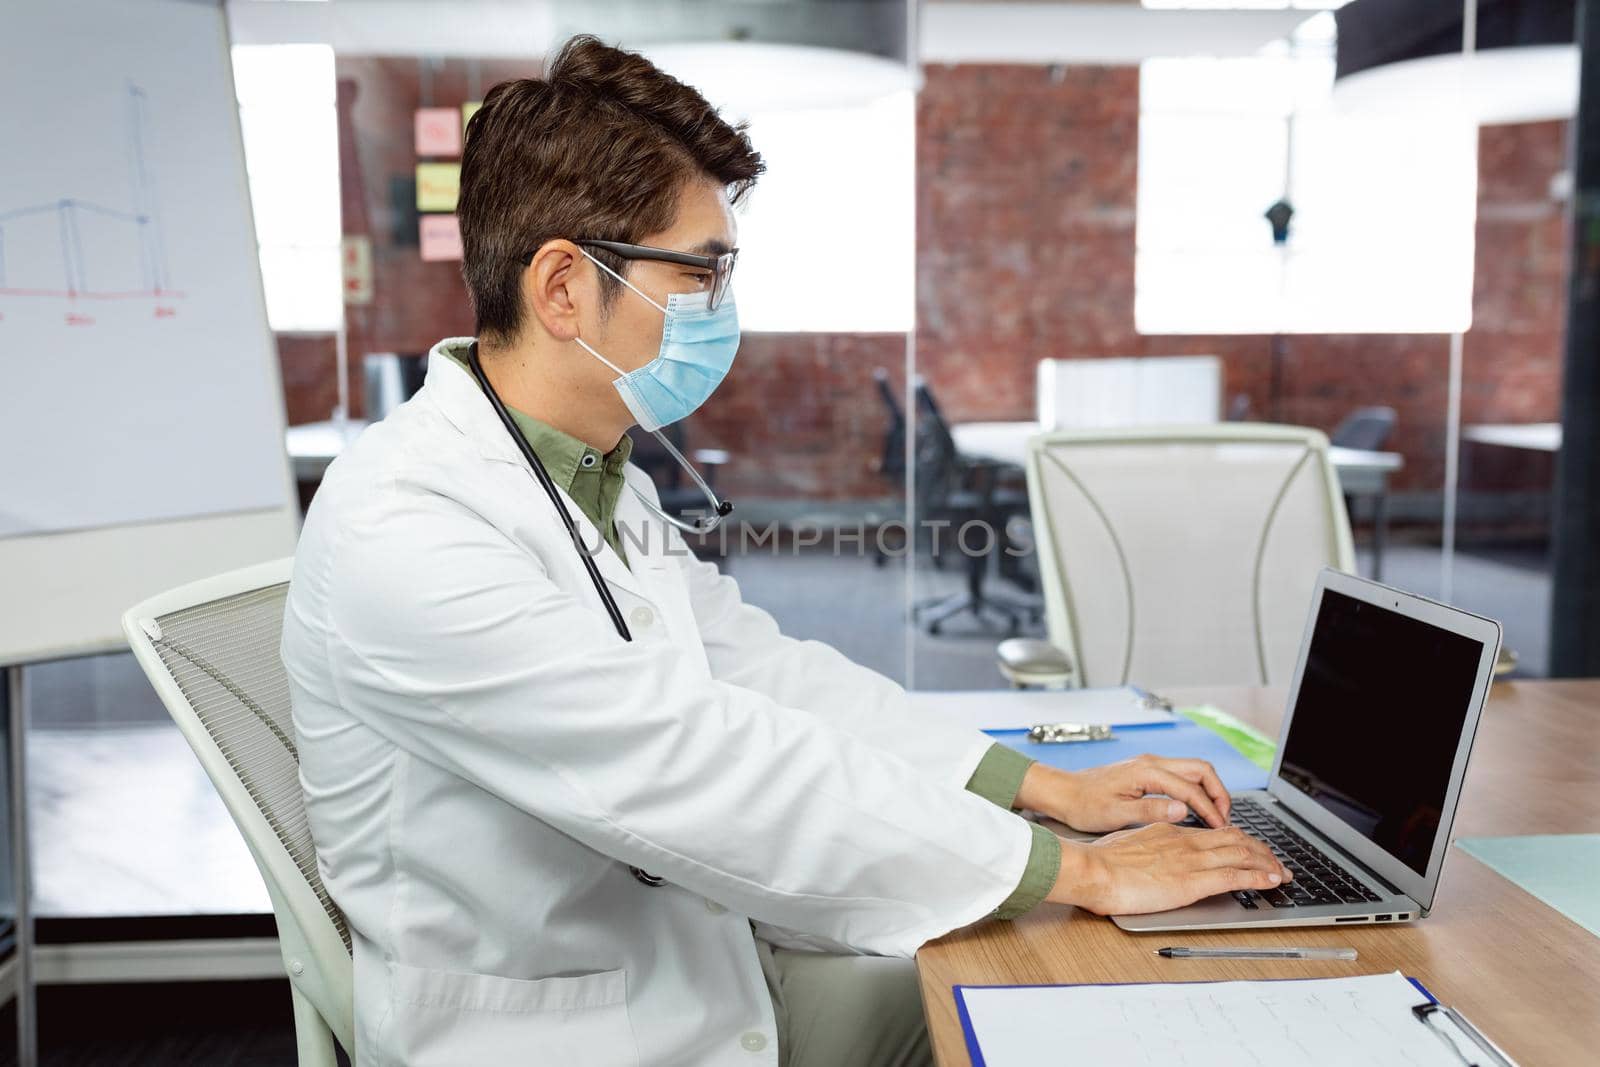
697,348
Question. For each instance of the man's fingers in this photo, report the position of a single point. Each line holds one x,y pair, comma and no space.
1230,879
1204,775
1156,810
1230,840
1178,788
1241,856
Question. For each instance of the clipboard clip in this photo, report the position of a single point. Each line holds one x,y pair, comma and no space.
1424,1014
1152,701
1059,733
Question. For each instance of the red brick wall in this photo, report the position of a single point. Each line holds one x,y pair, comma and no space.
1513,353
1025,247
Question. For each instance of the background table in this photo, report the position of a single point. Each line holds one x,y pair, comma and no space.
314,445
1528,976
1533,436
1361,472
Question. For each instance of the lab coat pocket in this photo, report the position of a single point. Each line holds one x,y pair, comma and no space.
441,1019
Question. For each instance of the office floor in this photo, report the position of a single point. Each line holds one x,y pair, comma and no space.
125,824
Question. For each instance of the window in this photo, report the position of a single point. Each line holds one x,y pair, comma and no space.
1382,236
287,112
827,239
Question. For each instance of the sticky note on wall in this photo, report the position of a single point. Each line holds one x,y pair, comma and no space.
355,257
437,186
440,237
436,132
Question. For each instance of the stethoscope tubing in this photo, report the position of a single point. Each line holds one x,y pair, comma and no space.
543,477
549,486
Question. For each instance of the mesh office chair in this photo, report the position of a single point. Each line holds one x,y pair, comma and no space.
211,651
1178,555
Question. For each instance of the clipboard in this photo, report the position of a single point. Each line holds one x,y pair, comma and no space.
1463,1043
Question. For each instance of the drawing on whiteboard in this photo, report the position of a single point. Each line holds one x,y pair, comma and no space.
87,250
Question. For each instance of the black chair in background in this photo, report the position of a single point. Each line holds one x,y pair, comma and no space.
1368,429
950,491
892,460
1365,428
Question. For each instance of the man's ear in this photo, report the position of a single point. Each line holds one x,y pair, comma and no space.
556,289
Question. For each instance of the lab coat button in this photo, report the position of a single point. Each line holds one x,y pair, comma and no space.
642,617
714,908
753,1041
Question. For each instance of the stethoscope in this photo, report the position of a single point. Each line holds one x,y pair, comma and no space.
699,525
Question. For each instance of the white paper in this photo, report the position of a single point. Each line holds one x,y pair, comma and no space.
1023,709
1330,1022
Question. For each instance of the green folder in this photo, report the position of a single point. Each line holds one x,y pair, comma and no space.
1251,743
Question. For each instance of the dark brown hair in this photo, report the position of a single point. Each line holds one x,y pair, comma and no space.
599,148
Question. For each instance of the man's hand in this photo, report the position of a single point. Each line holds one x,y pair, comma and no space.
1118,795
1158,867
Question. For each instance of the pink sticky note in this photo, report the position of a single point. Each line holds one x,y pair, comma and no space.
438,131
440,237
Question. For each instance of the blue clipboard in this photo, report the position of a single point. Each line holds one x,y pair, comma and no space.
971,1038
1181,739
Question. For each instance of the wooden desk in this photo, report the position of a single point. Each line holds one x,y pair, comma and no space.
1528,976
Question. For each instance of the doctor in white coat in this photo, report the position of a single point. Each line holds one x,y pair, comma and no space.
614,816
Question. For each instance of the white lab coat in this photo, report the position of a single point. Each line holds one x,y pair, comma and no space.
483,758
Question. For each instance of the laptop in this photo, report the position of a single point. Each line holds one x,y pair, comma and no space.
1382,711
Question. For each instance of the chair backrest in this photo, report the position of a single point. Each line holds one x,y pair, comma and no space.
211,651
1365,428
892,462
939,469
1184,555
1141,391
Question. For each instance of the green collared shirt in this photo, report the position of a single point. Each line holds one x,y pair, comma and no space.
594,481
997,780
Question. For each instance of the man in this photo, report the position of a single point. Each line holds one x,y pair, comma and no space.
699,843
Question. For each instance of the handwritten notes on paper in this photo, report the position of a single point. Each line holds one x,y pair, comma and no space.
1313,1023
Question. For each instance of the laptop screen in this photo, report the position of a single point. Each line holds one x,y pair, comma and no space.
1377,722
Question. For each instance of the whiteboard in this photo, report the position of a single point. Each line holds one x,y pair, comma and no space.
141,412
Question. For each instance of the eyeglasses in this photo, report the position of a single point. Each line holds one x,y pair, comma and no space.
720,266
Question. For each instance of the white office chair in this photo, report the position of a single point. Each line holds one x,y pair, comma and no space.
211,651
1181,555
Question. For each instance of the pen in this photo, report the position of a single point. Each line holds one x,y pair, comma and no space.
1257,953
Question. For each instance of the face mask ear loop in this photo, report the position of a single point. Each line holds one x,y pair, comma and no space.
623,280
585,346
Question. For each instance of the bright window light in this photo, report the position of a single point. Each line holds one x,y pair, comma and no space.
827,236
1382,235
287,114
826,247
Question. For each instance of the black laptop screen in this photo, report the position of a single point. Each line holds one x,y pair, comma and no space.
1377,722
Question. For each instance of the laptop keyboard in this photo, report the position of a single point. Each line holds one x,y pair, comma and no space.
1317,879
